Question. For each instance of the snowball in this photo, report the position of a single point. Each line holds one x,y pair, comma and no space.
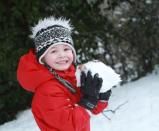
109,76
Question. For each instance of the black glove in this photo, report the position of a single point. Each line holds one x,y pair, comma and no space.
90,87
88,102
105,95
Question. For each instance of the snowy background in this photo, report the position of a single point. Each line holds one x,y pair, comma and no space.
132,107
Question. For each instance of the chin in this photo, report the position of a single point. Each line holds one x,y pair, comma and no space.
62,68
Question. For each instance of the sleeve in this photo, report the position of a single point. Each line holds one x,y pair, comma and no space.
57,111
100,107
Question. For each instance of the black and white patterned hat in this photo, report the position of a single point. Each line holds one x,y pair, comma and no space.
50,32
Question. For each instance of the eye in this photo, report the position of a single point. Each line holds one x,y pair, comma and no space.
53,51
67,49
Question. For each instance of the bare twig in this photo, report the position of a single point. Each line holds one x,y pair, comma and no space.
106,116
114,111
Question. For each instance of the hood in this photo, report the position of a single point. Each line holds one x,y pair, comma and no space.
32,74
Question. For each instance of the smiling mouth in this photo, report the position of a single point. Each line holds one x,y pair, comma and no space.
62,62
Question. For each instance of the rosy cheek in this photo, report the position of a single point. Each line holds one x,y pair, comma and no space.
50,59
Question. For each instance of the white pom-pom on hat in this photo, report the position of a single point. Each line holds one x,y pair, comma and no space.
46,22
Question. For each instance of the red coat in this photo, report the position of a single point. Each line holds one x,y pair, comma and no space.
53,106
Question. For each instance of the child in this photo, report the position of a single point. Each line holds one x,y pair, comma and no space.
49,71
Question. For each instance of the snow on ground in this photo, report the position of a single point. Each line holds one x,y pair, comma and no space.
132,107
136,106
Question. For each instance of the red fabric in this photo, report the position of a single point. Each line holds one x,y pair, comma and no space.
53,106
100,107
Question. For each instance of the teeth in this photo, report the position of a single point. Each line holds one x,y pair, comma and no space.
61,62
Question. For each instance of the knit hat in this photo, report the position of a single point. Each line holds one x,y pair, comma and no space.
50,32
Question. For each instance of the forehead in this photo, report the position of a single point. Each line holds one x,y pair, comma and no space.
59,46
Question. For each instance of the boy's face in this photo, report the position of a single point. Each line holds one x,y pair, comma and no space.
59,57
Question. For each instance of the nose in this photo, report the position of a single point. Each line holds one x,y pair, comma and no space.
61,53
